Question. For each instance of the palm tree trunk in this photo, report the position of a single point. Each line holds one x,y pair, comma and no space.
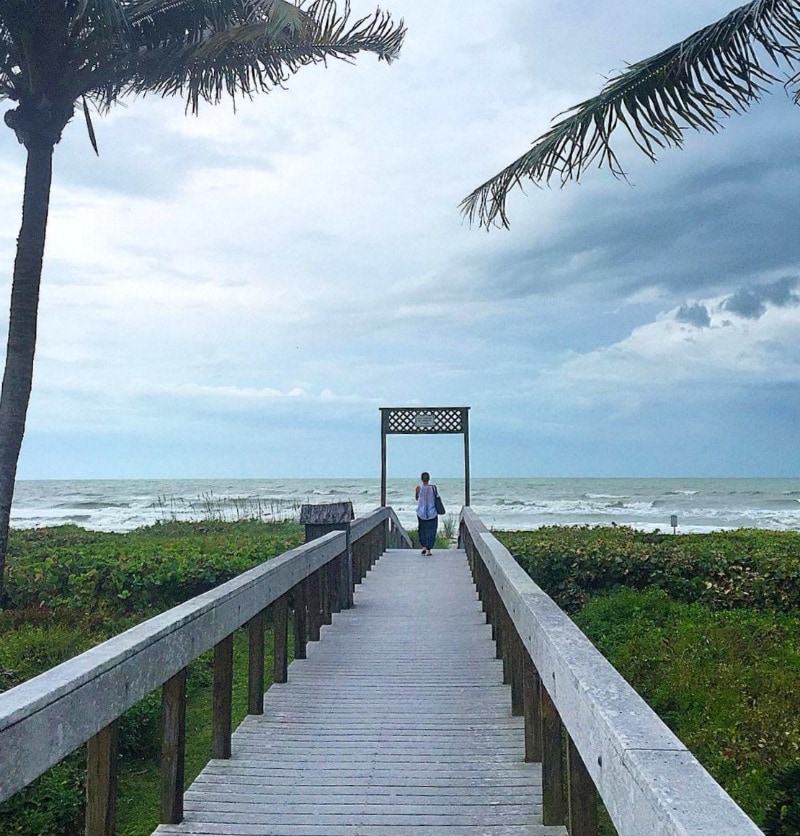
18,375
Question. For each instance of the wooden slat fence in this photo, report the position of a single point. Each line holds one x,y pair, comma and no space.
80,701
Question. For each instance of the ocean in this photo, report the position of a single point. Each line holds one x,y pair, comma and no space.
502,503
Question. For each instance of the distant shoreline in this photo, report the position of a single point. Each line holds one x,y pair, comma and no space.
508,504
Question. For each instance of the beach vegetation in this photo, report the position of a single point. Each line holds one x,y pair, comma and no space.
449,527
723,569
107,574
91,586
724,681
209,506
62,56
442,540
719,70
706,627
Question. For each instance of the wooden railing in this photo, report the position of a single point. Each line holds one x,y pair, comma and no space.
593,734
80,701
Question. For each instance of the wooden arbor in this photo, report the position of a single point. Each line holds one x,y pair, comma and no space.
428,420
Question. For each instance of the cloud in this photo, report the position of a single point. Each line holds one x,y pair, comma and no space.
280,272
697,343
694,314
717,214
752,302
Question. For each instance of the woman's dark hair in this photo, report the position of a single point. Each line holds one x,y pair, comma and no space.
426,477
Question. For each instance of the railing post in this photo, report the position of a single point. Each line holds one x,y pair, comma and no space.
335,575
492,610
330,599
347,571
375,546
358,552
300,619
497,629
255,663
173,748
365,555
313,600
486,588
368,540
222,699
582,795
325,595
480,577
506,631
532,705
554,806
101,781
280,639
517,653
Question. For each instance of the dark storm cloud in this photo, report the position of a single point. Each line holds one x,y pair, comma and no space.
705,229
696,315
751,302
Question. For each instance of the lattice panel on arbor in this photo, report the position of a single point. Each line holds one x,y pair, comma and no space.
432,420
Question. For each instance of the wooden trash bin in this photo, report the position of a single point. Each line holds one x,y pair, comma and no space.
320,520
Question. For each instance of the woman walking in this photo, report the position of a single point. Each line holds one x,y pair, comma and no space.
426,514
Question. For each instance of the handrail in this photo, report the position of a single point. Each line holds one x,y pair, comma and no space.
616,745
48,717
397,536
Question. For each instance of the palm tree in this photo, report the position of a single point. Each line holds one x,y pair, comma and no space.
59,55
718,71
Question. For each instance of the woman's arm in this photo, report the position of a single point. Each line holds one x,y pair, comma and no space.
416,492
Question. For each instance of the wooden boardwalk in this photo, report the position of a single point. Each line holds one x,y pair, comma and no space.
396,723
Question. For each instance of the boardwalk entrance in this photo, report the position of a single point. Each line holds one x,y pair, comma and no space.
396,723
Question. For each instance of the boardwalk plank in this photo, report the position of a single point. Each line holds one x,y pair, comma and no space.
397,723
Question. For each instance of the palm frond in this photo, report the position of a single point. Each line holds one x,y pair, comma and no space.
195,20
374,33
718,71
90,127
107,16
96,51
261,52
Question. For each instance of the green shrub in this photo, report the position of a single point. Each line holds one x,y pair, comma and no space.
783,817
727,569
27,649
139,729
142,572
51,806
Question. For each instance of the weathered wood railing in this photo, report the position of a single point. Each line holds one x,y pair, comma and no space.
583,717
80,701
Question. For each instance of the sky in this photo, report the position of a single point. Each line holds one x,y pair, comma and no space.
237,294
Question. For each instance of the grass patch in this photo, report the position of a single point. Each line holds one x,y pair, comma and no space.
724,682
